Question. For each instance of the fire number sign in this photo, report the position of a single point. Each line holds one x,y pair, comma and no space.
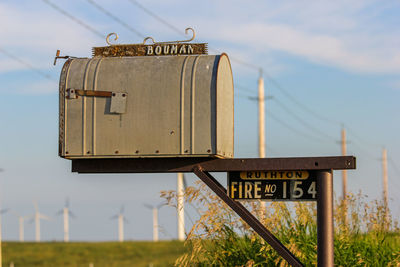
273,185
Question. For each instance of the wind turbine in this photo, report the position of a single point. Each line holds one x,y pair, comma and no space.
121,219
155,218
21,220
66,213
37,218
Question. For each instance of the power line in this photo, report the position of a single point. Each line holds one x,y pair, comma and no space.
351,131
31,67
78,21
302,106
115,18
250,65
394,166
134,2
364,151
397,170
242,62
308,125
243,88
288,110
280,121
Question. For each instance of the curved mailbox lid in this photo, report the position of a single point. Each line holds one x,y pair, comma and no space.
175,106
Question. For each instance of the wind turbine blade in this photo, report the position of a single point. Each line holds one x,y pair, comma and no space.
184,182
121,211
44,217
114,217
161,204
148,205
59,212
4,211
71,214
14,213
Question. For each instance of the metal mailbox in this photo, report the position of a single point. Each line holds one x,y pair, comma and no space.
146,106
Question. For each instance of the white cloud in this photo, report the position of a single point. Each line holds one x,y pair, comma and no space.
35,36
355,36
343,52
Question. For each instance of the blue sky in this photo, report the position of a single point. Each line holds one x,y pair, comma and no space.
340,60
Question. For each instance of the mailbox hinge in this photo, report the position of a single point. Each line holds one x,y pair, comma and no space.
118,99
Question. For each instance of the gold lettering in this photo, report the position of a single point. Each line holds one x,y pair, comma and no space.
149,50
257,190
247,189
158,50
166,49
182,50
233,189
174,49
190,49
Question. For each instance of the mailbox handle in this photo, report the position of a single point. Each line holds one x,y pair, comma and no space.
93,93
118,99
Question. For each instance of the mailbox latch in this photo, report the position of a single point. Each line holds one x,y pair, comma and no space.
118,99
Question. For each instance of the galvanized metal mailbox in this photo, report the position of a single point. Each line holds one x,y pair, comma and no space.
170,101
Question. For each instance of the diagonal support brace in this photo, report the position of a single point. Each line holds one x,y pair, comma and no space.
249,218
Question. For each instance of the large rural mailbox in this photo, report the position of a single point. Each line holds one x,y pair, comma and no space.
156,100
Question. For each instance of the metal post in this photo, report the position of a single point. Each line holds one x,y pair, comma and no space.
325,218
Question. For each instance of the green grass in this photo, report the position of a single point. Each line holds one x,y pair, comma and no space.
100,254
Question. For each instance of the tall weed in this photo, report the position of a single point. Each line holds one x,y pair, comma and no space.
220,238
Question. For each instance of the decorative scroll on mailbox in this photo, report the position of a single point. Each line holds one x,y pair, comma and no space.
167,99
153,49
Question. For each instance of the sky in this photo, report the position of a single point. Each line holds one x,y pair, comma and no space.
328,65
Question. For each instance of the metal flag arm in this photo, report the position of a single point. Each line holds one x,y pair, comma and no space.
249,218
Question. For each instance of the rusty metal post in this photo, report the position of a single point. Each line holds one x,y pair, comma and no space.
325,218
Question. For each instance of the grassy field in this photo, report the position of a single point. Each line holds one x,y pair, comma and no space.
100,254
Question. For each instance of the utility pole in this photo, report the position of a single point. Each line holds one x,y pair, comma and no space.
261,116
385,185
180,207
344,172
261,126
344,175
